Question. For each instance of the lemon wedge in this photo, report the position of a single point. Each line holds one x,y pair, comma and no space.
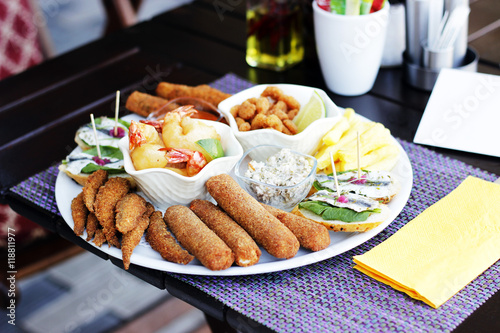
212,148
314,109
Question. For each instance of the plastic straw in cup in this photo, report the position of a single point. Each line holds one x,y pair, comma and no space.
338,6
366,6
324,4
352,7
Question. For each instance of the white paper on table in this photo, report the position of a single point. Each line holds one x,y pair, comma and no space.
463,113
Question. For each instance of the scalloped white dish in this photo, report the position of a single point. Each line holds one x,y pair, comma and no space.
164,187
66,189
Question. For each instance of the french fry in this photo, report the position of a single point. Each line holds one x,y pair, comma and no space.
377,149
333,136
323,156
384,158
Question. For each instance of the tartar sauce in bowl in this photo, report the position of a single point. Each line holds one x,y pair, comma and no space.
276,176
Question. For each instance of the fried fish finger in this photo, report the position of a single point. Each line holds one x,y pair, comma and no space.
132,238
79,212
129,211
198,239
312,236
246,251
105,202
164,243
264,228
94,181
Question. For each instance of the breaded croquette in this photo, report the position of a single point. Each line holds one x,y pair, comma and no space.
105,202
163,242
245,249
132,238
264,228
79,212
198,239
129,210
312,236
204,92
143,104
94,181
92,225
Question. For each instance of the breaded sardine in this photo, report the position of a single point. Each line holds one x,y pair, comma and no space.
94,181
264,228
245,249
105,202
132,238
79,213
129,211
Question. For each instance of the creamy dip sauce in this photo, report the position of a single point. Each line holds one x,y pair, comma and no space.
282,169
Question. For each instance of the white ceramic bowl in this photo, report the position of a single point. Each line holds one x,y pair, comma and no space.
305,142
166,188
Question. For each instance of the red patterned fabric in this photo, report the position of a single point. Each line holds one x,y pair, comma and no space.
19,46
25,231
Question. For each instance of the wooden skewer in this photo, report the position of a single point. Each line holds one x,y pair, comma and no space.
117,106
335,175
359,157
95,135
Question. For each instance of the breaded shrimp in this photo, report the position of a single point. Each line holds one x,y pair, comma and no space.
290,101
290,125
94,181
132,238
273,122
162,241
273,92
259,121
247,110
79,213
107,197
129,210
262,105
279,107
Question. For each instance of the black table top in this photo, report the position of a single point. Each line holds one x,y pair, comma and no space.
193,44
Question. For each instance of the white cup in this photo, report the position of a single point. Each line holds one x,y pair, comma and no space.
350,48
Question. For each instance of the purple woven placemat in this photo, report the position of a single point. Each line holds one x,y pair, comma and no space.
331,296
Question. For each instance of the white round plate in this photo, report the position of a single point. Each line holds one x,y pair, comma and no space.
66,189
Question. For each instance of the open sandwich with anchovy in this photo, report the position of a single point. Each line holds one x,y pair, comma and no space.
360,206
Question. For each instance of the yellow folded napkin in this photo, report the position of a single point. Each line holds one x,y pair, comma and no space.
444,248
